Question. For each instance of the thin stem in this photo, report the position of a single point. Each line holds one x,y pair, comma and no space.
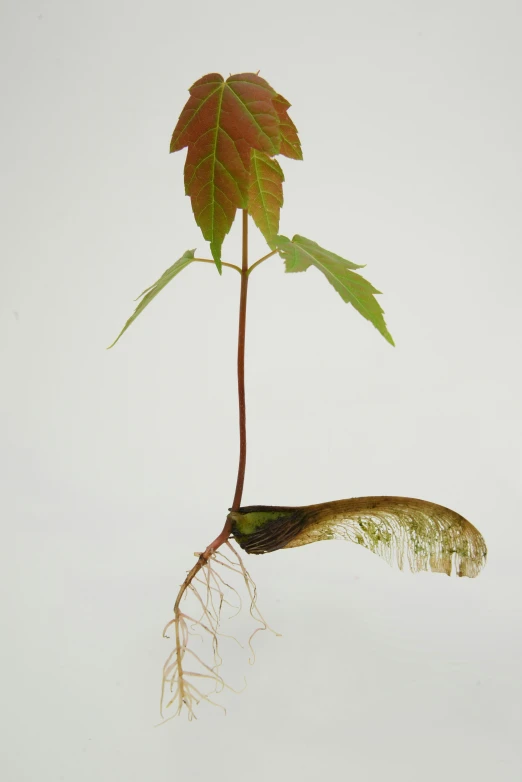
241,366
269,255
227,528
230,265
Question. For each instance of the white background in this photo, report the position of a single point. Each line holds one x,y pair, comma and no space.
116,466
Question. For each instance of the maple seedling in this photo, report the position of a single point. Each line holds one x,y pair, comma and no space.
234,130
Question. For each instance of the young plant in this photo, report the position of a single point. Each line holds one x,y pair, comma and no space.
234,130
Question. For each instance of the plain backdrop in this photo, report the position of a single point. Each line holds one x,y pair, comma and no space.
116,466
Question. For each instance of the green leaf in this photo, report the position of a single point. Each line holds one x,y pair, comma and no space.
301,253
427,535
150,293
265,194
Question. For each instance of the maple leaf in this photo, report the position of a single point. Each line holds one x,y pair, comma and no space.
221,123
265,194
300,253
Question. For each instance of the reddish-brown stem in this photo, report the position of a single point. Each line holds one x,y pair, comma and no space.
241,366
225,532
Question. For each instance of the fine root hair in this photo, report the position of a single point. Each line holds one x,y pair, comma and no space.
190,677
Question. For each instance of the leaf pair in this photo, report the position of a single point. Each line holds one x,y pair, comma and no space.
233,129
298,254
429,536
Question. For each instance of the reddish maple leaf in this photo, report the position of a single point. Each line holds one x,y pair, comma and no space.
222,123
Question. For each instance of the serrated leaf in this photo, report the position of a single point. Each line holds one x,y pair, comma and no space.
301,253
265,194
150,293
221,123
290,144
427,535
